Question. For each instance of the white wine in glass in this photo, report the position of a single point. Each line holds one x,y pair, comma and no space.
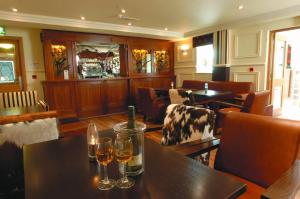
104,156
123,152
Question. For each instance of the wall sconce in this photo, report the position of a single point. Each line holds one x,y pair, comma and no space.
184,49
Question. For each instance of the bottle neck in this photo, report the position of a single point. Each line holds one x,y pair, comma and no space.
131,117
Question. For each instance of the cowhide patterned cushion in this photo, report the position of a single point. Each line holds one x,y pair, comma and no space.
179,96
187,123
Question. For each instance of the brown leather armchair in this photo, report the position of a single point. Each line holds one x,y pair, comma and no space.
255,102
152,107
257,149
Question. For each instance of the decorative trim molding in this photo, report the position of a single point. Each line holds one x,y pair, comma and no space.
179,78
237,75
91,25
35,70
185,67
247,64
262,18
237,55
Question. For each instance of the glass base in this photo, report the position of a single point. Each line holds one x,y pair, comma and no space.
106,185
124,184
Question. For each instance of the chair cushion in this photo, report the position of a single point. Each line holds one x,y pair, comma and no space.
230,109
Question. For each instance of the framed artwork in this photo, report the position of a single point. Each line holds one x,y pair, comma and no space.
7,71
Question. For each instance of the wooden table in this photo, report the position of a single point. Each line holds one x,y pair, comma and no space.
287,186
199,94
20,110
210,94
61,169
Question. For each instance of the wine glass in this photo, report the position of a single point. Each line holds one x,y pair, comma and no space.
123,152
104,156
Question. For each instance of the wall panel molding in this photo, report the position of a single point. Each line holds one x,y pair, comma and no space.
247,77
247,64
247,45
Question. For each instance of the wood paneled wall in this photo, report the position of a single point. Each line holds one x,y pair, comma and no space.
92,97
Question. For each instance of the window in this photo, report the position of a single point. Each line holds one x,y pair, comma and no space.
204,58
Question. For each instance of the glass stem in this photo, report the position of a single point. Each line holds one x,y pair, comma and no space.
105,177
124,173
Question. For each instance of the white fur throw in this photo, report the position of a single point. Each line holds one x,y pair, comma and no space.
23,133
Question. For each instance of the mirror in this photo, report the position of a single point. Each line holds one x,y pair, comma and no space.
97,60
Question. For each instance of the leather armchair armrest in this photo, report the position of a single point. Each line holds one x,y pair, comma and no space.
287,186
197,147
226,104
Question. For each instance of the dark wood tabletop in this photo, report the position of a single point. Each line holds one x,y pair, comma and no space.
210,94
61,169
20,110
199,94
287,186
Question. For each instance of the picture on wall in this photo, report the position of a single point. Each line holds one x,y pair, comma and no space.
7,71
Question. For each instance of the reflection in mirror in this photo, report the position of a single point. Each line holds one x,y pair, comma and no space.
7,63
142,60
97,60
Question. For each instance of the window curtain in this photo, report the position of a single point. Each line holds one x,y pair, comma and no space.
220,47
203,40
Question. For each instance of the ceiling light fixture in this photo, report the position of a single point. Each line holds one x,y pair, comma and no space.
82,18
123,11
14,9
6,46
166,29
129,24
240,7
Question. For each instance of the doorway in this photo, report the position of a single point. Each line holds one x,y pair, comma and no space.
12,69
284,70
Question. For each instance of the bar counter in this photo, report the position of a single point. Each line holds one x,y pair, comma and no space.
93,97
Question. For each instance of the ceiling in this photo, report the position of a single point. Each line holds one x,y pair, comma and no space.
177,15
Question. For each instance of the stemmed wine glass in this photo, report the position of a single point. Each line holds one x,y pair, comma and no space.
123,152
104,156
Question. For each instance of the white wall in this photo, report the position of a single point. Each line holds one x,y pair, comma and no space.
33,56
248,48
185,66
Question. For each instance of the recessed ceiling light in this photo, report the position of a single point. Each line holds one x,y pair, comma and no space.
14,9
166,29
123,11
82,18
240,7
129,24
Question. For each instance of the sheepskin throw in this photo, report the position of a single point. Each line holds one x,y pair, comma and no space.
23,133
